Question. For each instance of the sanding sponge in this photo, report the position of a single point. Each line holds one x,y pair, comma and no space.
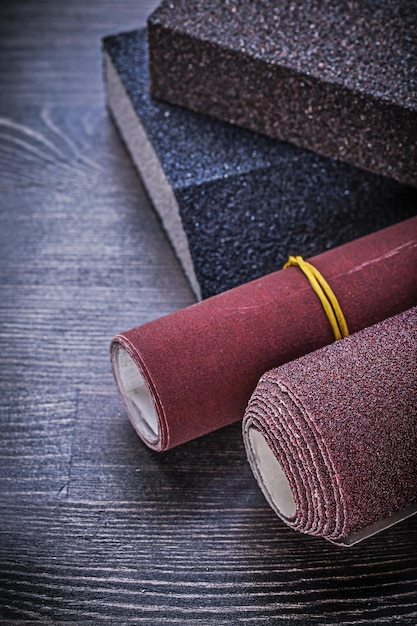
235,203
333,76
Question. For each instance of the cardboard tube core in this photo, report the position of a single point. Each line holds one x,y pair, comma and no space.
137,397
271,476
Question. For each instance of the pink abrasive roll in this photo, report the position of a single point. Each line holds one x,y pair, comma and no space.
193,371
332,436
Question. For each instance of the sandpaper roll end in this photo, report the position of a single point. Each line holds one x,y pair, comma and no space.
331,437
138,395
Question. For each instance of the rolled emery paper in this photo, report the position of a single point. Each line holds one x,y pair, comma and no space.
332,436
193,371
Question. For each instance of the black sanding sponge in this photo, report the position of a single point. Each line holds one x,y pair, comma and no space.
235,203
337,77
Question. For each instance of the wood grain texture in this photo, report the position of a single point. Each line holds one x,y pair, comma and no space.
94,527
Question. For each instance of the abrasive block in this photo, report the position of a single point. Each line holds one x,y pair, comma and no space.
235,203
336,77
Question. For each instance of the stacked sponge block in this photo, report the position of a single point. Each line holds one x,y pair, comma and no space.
337,77
234,203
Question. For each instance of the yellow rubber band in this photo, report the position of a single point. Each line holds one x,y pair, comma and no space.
323,290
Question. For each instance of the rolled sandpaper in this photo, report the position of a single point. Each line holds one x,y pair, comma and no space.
194,370
235,204
336,77
332,436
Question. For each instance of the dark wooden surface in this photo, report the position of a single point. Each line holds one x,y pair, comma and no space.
94,527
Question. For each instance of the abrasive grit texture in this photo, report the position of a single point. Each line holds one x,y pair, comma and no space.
336,77
193,371
235,204
342,424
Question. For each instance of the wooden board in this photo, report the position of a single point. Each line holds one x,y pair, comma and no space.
94,527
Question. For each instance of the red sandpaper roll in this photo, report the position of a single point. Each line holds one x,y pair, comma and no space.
193,371
332,437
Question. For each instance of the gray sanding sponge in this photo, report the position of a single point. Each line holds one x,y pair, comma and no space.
337,77
235,203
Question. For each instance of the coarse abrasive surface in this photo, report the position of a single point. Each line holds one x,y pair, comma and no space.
193,371
336,77
242,202
342,425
